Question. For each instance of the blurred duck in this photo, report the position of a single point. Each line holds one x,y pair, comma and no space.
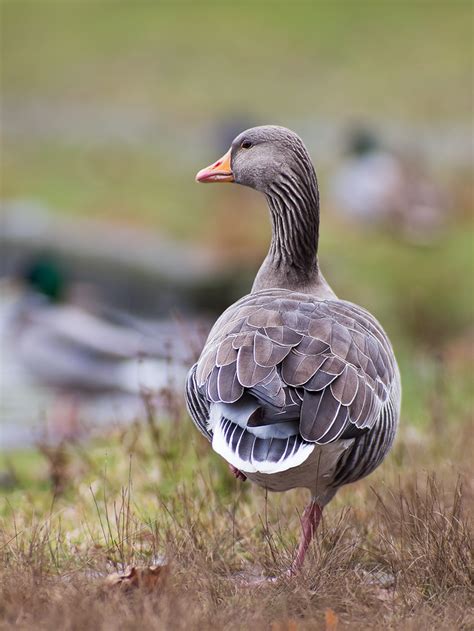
80,355
374,186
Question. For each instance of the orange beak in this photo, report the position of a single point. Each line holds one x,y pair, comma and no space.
220,171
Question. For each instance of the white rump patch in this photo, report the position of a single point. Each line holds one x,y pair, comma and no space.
294,458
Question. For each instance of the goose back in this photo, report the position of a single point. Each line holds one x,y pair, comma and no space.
299,372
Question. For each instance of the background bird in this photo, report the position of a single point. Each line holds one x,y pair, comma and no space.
374,186
84,354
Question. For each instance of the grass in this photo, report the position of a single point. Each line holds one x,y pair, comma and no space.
394,549
193,61
185,67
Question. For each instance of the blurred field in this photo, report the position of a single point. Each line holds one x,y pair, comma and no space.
109,109
111,93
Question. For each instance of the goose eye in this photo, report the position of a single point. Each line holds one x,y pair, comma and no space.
246,144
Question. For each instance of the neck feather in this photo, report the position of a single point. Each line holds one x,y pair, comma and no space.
293,201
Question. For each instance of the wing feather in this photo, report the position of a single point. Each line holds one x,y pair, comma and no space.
344,388
337,427
283,335
318,421
321,329
267,352
297,368
249,373
311,346
329,359
319,381
265,317
206,363
211,385
226,353
228,385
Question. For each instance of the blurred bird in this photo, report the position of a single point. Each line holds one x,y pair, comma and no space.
294,387
80,355
374,186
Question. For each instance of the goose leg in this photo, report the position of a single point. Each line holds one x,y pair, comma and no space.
309,523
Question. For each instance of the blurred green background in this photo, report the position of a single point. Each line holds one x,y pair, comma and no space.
109,109
108,105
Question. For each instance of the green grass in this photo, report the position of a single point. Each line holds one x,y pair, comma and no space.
121,185
195,60
191,64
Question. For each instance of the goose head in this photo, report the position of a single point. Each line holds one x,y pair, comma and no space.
274,161
261,157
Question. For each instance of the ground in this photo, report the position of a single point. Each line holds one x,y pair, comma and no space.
394,550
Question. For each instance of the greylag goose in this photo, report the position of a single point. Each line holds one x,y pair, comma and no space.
294,387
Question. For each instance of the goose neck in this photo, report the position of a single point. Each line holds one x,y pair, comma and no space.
294,211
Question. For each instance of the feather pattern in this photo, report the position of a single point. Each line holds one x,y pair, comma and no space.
294,386
330,378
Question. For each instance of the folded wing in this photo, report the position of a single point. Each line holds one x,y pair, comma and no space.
326,365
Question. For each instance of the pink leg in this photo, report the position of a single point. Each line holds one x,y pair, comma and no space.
237,473
309,523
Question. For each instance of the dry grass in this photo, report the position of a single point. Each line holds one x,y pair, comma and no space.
395,550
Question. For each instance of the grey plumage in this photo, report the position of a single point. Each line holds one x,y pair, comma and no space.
336,374
294,386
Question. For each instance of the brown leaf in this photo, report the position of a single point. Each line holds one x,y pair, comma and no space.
147,578
331,619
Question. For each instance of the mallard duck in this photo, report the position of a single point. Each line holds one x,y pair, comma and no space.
80,356
294,386
66,345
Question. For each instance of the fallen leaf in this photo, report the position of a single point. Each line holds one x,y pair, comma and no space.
331,619
147,578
